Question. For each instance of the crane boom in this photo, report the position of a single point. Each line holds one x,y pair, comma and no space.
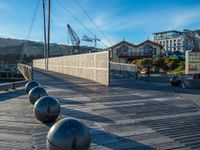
74,39
90,39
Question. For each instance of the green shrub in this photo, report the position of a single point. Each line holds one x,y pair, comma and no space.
170,65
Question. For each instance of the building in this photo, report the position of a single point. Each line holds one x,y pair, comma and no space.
173,41
125,52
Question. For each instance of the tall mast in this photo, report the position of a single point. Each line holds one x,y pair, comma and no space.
49,18
45,40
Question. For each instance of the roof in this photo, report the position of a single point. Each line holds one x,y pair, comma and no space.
168,31
149,42
123,42
132,45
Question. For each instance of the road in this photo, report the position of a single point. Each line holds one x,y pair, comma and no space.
129,114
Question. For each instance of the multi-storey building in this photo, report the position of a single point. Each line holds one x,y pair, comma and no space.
172,40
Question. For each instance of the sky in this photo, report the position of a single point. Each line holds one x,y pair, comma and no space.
132,20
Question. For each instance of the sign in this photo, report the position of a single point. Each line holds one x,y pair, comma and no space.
192,62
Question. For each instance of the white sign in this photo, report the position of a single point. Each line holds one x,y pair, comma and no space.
192,62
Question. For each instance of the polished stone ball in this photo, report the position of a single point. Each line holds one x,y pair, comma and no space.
175,81
36,93
31,85
68,134
46,109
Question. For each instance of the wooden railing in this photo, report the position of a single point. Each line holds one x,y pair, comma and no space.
26,71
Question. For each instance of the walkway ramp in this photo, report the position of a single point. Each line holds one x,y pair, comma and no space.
128,115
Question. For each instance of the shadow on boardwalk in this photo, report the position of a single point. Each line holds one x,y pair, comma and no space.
11,95
85,115
109,140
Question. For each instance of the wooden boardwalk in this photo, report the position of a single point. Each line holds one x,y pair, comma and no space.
128,115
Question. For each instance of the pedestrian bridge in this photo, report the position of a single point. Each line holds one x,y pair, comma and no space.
127,115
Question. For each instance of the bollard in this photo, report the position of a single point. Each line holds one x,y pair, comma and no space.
68,134
175,81
46,109
31,85
36,93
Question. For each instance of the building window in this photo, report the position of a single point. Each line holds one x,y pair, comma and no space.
148,50
154,51
123,50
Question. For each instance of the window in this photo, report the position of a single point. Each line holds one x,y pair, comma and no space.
122,50
154,51
147,49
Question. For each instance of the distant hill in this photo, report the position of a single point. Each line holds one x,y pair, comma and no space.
14,46
4,42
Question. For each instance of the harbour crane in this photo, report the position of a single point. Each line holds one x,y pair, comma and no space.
74,40
90,39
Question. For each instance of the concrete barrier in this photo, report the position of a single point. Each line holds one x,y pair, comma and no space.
123,70
92,66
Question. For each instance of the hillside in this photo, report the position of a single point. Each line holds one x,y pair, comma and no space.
14,46
7,42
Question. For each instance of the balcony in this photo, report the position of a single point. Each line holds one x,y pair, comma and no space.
135,55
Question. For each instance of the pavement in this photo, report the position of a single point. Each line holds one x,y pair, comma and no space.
127,115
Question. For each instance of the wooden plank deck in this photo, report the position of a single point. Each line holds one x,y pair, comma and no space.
128,115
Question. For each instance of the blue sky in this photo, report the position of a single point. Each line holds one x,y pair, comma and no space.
134,20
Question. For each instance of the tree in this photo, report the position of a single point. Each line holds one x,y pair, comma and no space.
142,63
172,62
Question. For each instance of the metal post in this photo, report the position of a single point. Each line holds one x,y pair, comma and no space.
95,41
45,41
48,44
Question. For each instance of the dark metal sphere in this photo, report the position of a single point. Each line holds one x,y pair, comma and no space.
175,81
36,93
31,85
46,109
68,134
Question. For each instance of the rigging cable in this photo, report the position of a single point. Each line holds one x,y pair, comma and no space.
29,32
84,11
68,11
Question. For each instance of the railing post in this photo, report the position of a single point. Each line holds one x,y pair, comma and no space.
31,71
13,86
